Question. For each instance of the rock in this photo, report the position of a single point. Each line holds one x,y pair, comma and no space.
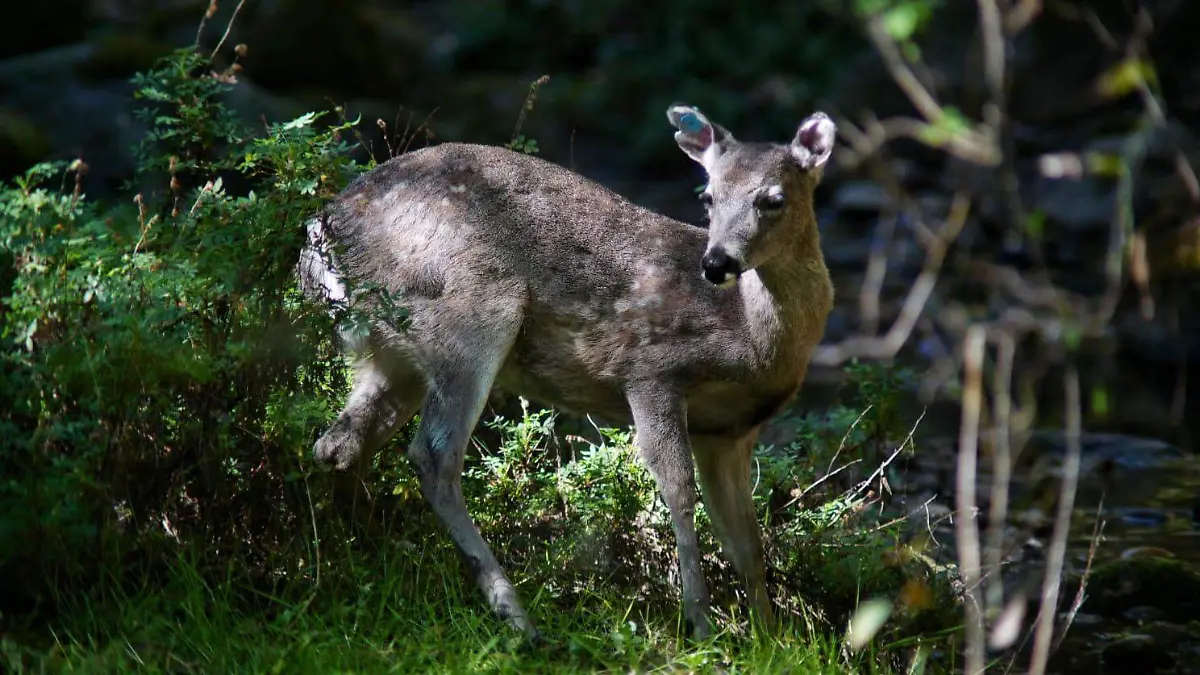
34,26
1146,552
82,92
90,118
1122,450
1144,614
1140,517
22,143
1135,653
1168,585
1078,205
1155,342
365,49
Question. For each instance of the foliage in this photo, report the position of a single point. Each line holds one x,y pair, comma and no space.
165,380
159,373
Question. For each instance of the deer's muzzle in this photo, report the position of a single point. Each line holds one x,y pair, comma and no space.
719,268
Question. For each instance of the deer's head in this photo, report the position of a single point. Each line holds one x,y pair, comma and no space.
759,195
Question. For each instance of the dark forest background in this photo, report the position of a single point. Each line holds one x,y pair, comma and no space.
1012,210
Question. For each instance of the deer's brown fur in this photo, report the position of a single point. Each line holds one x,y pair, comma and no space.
520,274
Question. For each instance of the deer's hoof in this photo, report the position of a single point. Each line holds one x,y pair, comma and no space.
699,627
337,449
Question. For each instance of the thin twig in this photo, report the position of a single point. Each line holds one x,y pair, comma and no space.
1001,465
923,507
903,75
228,29
907,442
846,436
876,272
966,526
1062,525
1081,592
914,303
209,11
820,480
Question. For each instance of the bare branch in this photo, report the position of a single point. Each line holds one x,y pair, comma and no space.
1062,525
1001,463
914,303
965,524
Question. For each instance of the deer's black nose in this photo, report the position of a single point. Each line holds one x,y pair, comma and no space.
719,268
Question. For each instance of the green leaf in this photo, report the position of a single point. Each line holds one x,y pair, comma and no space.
866,622
1106,164
902,21
1126,77
1100,406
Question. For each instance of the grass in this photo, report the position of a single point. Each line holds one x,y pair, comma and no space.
587,542
398,611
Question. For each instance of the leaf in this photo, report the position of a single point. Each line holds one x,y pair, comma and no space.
1007,628
1125,77
941,131
305,120
902,21
866,622
1105,164
1100,406
916,595
1035,224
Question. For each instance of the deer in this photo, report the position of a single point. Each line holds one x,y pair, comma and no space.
518,274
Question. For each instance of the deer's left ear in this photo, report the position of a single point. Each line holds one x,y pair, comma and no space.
700,138
814,141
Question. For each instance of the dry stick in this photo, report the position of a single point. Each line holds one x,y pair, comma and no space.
208,14
1001,466
995,112
965,526
904,76
1062,524
1080,594
877,264
846,436
878,472
1019,16
972,145
914,303
228,29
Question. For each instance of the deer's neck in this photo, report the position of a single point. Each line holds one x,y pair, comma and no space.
786,301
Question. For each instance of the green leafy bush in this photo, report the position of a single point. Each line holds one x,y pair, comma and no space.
160,376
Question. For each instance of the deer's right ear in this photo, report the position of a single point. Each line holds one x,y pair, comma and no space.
702,140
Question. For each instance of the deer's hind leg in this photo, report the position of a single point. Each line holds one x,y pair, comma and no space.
386,393
462,354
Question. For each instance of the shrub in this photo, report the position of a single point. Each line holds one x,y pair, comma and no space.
160,375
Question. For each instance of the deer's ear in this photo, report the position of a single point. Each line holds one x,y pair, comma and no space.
702,140
814,141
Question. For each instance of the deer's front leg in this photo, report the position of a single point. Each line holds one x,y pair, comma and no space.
660,421
723,466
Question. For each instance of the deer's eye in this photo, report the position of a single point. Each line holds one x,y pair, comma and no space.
771,203
706,199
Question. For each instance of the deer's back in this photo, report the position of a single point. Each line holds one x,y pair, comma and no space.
608,290
460,208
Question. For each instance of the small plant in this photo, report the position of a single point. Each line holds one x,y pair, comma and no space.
519,142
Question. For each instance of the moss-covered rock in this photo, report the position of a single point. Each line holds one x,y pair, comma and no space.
1167,584
22,143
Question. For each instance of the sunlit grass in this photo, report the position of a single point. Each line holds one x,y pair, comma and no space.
397,611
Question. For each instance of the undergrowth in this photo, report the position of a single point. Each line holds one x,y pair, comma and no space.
163,382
